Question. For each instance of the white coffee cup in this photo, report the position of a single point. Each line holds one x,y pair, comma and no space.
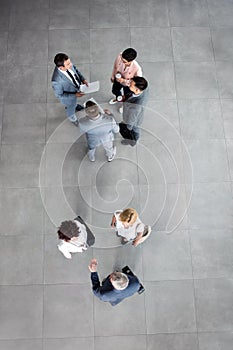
118,75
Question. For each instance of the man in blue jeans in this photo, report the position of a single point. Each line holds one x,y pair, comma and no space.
115,288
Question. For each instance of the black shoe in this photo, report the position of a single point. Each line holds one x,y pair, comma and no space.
125,142
79,108
141,289
75,122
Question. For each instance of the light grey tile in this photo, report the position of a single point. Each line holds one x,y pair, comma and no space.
164,207
5,14
22,307
69,343
61,316
173,341
160,162
152,13
26,84
114,320
172,310
72,201
22,344
230,155
211,253
58,269
24,123
208,209
201,119
3,42
215,341
21,212
71,14
21,260
192,44
115,258
209,160
137,342
214,298
196,80
227,114
160,76
123,168
161,121
108,14
220,12
27,47
20,165
224,72
67,41
119,39
153,44
1,115
34,15
167,257
188,12
223,48
3,82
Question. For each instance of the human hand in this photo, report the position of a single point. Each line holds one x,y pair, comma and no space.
135,243
112,79
79,94
85,82
120,80
93,265
107,111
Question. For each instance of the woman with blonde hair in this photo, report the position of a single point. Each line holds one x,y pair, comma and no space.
128,225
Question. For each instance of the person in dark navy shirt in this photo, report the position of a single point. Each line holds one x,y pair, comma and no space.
115,288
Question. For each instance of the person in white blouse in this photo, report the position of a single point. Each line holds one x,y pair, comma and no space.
129,226
73,238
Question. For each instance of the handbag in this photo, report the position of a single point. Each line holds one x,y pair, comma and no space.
90,234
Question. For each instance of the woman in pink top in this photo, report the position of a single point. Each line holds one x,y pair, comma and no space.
125,68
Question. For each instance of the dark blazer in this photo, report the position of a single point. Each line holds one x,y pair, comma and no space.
107,292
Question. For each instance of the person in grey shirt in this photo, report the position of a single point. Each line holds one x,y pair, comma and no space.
133,111
99,127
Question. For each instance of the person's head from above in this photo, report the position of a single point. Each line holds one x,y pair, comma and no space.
128,217
119,280
62,61
138,84
128,56
68,231
92,110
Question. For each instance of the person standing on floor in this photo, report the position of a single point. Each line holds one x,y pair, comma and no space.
73,238
133,111
99,127
129,226
66,81
125,68
115,288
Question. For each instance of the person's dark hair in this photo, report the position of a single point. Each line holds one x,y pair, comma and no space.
90,104
140,82
60,58
129,54
67,230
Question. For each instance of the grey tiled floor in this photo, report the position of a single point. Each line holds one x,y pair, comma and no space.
179,177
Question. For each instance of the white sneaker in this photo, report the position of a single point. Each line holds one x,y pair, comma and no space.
113,101
121,110
113,154
91,157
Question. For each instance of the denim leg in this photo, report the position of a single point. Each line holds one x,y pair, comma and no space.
70,112
136,133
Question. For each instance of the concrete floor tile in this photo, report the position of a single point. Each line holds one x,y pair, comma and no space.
136,342
215,341
188,13
227,114
108,14
173,341
154,14
220,13
22,344
213,298
172,310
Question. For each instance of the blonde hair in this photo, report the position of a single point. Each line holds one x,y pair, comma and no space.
128,215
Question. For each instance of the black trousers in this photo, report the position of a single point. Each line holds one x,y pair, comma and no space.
116,89
128,134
